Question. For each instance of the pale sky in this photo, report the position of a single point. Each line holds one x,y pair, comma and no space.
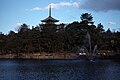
15,12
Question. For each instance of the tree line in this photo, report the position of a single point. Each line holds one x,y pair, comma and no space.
53,38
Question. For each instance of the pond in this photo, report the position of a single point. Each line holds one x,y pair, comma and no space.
59,70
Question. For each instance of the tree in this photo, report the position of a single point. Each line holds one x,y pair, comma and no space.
23,28
11,33
2,43
73,35
100,28
86,18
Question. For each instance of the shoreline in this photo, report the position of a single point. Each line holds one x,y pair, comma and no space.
41,56
54,56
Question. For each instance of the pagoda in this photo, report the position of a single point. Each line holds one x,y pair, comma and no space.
49,19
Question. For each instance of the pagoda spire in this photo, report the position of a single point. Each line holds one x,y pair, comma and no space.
49,19
50,10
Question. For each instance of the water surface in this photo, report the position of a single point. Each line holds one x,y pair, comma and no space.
59,70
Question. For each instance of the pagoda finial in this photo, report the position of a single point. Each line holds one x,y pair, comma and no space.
50,19
50,10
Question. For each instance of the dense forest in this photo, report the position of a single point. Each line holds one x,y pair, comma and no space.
53,38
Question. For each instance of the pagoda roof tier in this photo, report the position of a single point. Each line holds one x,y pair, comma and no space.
49,19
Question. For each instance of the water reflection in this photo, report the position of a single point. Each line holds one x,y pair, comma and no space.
58,70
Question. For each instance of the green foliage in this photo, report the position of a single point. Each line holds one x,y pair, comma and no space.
86,18
57,38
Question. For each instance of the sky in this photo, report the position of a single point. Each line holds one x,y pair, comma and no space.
13,13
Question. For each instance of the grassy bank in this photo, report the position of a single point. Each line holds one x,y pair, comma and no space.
43,55
54,56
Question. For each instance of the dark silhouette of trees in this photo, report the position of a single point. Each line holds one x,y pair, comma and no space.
53,38
3,40
86,18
